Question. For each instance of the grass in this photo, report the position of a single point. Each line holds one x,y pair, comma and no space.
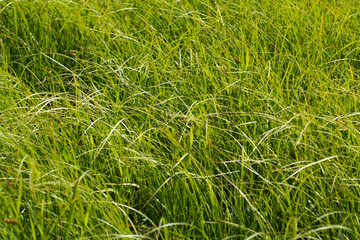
190,119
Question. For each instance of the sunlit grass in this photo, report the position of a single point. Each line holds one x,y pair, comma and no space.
179,119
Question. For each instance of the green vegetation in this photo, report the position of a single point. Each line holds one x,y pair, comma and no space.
187,119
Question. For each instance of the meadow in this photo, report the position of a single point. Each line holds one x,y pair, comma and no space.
179,119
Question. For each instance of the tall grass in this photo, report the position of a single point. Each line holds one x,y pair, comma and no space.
190,119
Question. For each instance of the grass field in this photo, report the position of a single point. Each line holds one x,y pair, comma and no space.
187,119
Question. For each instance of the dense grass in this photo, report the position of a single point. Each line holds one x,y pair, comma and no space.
192,119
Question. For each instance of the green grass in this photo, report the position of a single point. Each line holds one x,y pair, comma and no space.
193,119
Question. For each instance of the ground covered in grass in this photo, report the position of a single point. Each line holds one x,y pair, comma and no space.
192,119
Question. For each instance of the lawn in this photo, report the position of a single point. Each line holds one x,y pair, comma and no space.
187,119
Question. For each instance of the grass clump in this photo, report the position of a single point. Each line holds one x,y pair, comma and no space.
179,119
